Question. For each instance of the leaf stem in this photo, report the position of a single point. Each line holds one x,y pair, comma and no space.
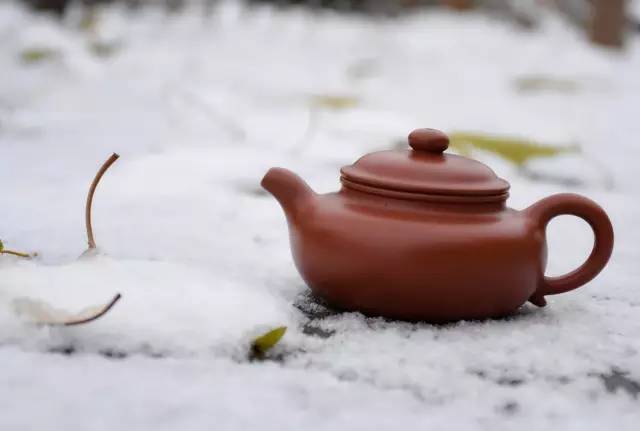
16,253
87,212
98,315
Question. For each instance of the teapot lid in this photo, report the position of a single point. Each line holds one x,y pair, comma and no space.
425,173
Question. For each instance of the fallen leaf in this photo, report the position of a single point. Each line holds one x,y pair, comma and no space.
41,313
15,253
516,150
334,102
38,55
532,83
266,341
89,21
103,49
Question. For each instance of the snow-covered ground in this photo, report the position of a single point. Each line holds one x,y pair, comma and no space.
199,108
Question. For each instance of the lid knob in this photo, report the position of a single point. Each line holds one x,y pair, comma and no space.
431,140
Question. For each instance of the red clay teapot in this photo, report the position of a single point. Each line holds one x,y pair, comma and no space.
422,235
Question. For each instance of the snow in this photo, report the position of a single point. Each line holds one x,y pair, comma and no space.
199,108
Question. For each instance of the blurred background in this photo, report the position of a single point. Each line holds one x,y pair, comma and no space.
605,21
538,89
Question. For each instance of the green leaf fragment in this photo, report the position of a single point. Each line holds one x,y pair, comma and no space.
518,151
89,21
1,245
263,343
37,55
103,49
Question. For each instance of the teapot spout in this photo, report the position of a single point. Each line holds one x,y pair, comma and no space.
291,191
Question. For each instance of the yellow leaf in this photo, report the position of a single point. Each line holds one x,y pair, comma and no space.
335,101
515,150
37,55
266,341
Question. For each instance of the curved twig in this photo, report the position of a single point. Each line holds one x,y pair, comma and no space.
98,315
87,212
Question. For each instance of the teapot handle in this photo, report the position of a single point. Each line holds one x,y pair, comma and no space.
571,204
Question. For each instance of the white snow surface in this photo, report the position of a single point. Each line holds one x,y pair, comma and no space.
199,107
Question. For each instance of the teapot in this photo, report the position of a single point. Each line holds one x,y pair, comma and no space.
422,235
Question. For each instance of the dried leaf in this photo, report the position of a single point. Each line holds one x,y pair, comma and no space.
335,102
41,313
89,21
263,343
533,83
37,55
103,49
518,151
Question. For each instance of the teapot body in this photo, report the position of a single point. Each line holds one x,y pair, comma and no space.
423,235
417,260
